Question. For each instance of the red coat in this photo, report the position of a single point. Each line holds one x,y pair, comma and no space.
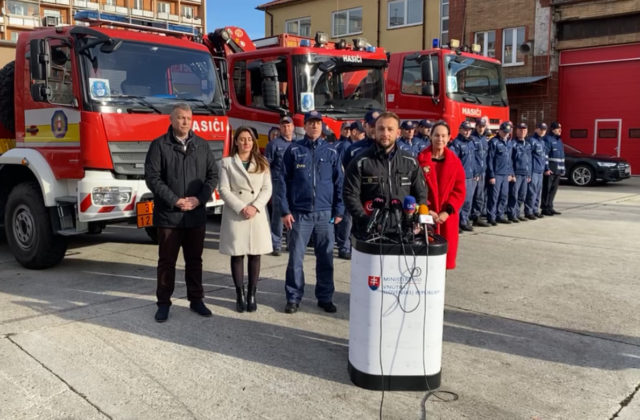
449,189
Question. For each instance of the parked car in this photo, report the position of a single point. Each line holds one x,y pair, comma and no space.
585,169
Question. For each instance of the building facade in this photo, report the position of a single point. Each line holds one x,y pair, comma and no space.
395,25
23,15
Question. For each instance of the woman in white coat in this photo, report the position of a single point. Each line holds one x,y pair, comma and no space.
245,187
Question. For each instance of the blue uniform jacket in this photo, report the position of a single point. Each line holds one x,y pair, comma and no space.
355,149
311,178
417,145
482,149
555,153
538,154
274,152
342,146
499,158
465,149
521,157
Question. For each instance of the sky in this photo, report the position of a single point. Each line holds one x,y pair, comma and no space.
241,13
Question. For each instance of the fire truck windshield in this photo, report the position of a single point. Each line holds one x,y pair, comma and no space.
474,81
149,78
336,85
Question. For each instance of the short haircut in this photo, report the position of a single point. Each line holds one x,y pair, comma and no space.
387,115
181,105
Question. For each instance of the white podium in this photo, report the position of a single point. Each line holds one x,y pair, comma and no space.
396,315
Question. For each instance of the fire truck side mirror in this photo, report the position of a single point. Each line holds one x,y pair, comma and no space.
427,78
39,59
270,86
40,92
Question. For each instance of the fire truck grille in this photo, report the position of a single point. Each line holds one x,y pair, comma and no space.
128,157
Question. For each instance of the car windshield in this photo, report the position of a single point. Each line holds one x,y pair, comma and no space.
475,81
343,84
150,76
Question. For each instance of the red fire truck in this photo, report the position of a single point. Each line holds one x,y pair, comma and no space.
291,75
448,84
79,108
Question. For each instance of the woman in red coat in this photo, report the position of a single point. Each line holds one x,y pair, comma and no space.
445,178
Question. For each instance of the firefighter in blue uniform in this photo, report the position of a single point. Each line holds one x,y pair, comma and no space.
465,148
479,203
555,155
539,166
521,161
424,130
499,173
408,140
370,130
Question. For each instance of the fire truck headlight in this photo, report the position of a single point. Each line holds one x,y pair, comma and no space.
111,196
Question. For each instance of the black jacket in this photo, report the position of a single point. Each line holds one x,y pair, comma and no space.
172,173
373,174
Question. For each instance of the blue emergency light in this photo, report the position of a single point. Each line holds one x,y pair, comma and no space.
305,42
92,16
435,43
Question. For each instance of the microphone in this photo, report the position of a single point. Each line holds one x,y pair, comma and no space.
424,218
378,207
368,207
409,206
396,208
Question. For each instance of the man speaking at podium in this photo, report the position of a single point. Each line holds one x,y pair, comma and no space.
382,173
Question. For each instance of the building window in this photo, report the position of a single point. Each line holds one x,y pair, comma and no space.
444,22
187,12
14,36
512,38
137,4
487,41
404,13
164,7
346,22
110,2
22,8
301,26
53,14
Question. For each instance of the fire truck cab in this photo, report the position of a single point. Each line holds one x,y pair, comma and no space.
450,84
291,75
86,103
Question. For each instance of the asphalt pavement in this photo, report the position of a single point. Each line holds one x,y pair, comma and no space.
541,322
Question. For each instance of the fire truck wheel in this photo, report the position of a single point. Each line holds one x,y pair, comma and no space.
152,233
6,95
28,229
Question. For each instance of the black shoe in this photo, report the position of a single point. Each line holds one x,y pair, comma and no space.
514,220
345,255
328,306
252,306
481,223
291,308
198,307
468,228
241,303
275,253
539,215
162,313
531,217
504,221
492,222
555,212
522,218
548,212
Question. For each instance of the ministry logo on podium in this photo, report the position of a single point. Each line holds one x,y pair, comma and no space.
374,282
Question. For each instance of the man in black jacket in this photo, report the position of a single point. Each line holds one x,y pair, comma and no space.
180,171
382,171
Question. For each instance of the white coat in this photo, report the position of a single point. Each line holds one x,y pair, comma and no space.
240,188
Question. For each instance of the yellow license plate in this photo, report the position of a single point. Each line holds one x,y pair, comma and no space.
144,213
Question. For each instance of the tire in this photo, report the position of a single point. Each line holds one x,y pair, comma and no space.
6,96
582,175
152,233
28,229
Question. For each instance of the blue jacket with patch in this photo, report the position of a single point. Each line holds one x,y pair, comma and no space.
355,149
538,154
521,157
482,150
499,158
274,153
311,178
416,146
555,153
465,149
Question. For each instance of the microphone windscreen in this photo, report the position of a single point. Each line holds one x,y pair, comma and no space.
423,209
378,203
368,207
409,204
